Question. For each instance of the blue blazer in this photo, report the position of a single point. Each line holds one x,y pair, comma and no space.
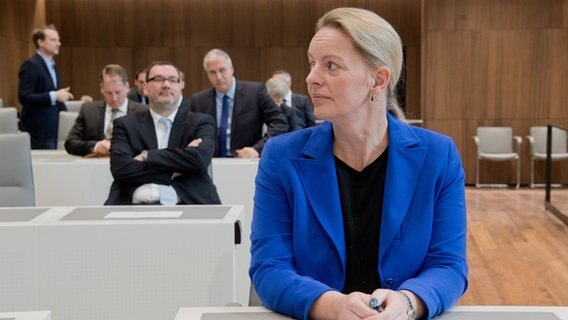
38,117
298,244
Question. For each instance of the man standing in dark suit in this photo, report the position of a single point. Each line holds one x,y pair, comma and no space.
240,108
39,90
93,128
299,103
136,93
162,155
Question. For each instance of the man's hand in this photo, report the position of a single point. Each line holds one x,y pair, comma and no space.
102,147
247,152
195,142
63,94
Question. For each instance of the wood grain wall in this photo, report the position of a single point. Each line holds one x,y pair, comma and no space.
260,35
494,63
17,20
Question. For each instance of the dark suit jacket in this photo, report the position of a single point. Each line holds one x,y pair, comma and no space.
134,96
135,132
38,116
89,128
252,108
304,112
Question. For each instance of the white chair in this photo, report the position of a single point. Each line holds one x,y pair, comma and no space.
16,178
537,143
73,105
66,122
496,144
8,120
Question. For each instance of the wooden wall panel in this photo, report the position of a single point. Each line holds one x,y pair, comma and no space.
495,63
17,20
259,35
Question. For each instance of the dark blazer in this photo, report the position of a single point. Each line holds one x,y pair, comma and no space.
135,132
252,108
89,128
304,112
134,96
38,116
297,240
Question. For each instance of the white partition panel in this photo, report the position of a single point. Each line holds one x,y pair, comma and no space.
234,179
137,262
18,258
61,179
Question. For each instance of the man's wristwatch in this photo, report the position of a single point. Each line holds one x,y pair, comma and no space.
144,155
410,312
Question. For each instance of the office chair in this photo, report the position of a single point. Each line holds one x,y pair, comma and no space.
66,122
73,105
537,143
16,178
496,144
8,120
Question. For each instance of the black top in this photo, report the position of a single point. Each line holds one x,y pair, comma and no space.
361,195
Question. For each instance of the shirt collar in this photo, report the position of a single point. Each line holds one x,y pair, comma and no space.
156,117
122,109
47,59
288,98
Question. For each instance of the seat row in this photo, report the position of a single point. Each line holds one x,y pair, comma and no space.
499,144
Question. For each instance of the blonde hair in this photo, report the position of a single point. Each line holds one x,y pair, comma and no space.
375,39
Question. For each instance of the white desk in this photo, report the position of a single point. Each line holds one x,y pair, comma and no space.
457,313
83,265
93,268
33,315
64,180
18,258
61,179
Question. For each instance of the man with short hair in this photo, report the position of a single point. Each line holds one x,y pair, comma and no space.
299,103
40,92
92,130
161,156
136,93
240,108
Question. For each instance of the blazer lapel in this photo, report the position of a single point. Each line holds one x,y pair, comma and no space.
405,161
100,118
147,130
177,132
321,189
237,108
46,73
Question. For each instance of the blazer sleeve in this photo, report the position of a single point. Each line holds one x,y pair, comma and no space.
272,116
30,93
187,160
272,270
442,279
77,143
125,170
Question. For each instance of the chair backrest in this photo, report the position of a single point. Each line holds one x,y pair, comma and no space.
8,120
66,122
16,178
558,140
1,103
495,139
73,105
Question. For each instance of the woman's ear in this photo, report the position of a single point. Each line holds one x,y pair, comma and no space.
382,78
